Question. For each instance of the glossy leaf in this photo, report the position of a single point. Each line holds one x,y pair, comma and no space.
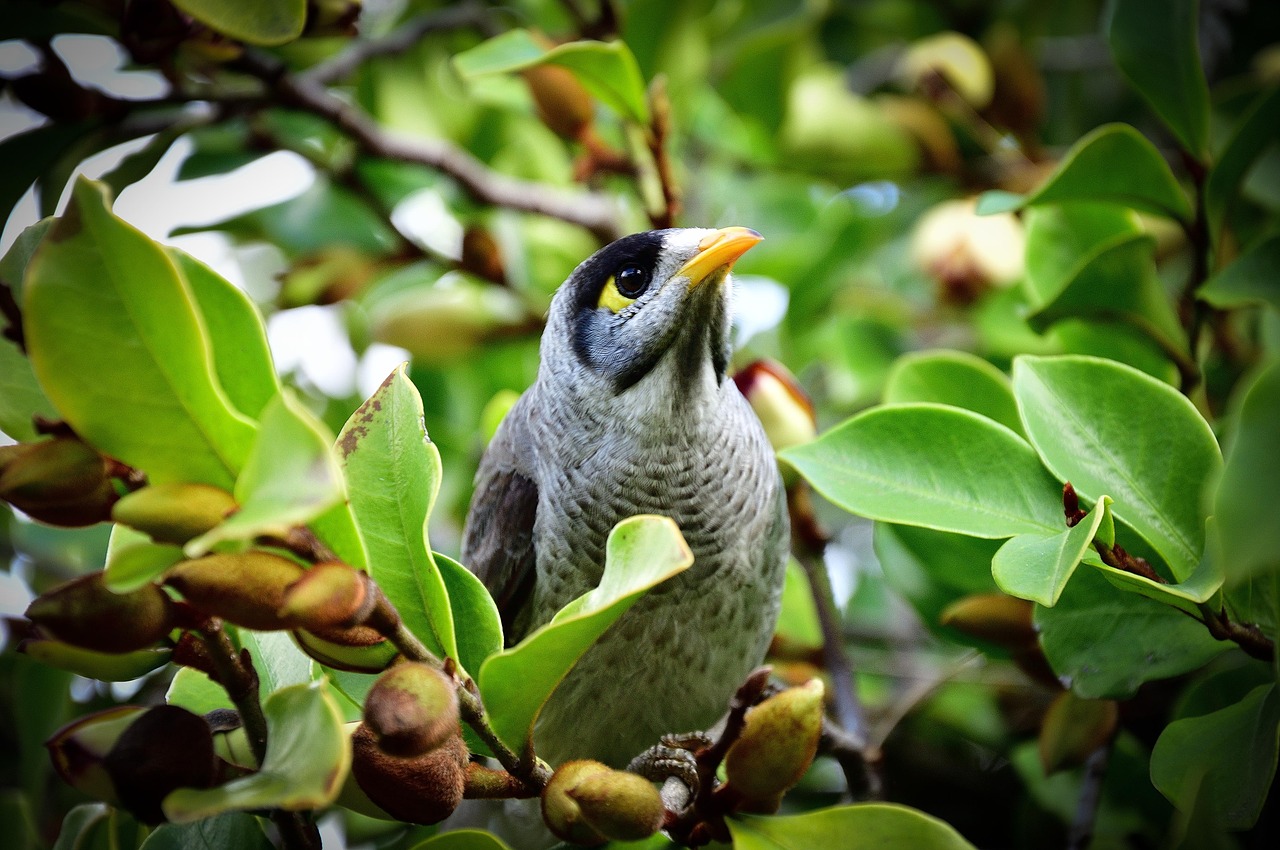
931,569
1154,43
306,763
1257,129
232,829
265,22
462,839
133,559
1226,758
276,659
1114,164
290,478
1244,503
196,692
393,477
1061,238
934,466
640,552
118,345
606,69
954,378
866,826
1252,278
1037,567
1108,428
20,395
1103,643
475,614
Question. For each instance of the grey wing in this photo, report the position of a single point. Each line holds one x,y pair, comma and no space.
497,541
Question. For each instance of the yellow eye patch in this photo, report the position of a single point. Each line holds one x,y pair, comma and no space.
612,299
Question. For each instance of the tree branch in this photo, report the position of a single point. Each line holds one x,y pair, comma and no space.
1095,770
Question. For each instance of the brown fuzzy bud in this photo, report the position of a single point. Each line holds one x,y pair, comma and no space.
328,595
424,789
995,617
412,708
1073,728
103,666
562,102
78,750
61,481
358,649
586,802
481,255
83,612
778,743
245,588
174,512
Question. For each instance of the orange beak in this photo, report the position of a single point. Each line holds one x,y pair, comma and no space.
719,250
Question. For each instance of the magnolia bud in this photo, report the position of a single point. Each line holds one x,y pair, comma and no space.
777,744
956,58
103,666
328,595
84,613
245,588
174,512
586,802
424,789
784,408
1073,728
358,649
411,709
61,481
996,617
562,102
79,749
967,253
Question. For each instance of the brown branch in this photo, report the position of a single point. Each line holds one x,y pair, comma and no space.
1095,770
657,137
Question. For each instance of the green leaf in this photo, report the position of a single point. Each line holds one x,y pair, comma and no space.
120,349
1060,238
134,560
20,395
1108,428
1227,757
142,162
196,692
641,552
1252,278
290,478
954,378
79,825
933,466
606,69
1256,130
1201,586
1114,164
264,22
230,830
32,153
1037,567
1244,503
276,659
931,569
1104,643
393,476
462,839
1154,45
307,760
241,355
798,617
475,615
866,826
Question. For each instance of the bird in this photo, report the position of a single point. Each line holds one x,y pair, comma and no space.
632,412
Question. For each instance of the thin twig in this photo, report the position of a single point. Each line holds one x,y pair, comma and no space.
1095,770
658,139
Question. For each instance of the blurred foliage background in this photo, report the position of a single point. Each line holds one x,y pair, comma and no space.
412,224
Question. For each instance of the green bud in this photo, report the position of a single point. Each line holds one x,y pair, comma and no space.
358,649
174,512
1073,728
103,666
245,588
561,812
61,481
777,744
994,617
328,595
85,613
562,102
586,802
424,789
412,708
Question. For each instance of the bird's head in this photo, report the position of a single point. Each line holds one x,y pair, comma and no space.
654,303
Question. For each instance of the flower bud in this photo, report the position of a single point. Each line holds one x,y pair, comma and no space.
174,512
956,58
328,595
777,744
78,750
411,709
84,613
245,588
424,789
562,102
1073,728
967,253
103,666
358,649
784,408
61,481
586,802
996,617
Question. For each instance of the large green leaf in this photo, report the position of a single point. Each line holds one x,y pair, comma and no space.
393,476
134,560
641,552
121,350
20,395
866,826
934,466
1114,164
931,569
1037,566
1108,428
954,378
1257,129
266,22
1060,238
306,763
476,621
291,477
1252,278
1227,757
237,830
1103,643
1154,45
606,69
196,692
1244,504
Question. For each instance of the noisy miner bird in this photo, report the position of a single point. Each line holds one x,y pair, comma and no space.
632,413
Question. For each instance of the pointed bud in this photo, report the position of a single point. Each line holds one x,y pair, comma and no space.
174,512
79,750
412,708
1073,728
424,789
561,812
61,481
358,649
103,666
84,613
619,805
782,405
995,617
245,588
562,102
777,744
328,595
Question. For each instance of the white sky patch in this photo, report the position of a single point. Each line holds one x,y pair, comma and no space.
759,304
96,61
424,218
313,342
378,361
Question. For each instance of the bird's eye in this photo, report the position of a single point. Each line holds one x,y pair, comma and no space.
631,280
